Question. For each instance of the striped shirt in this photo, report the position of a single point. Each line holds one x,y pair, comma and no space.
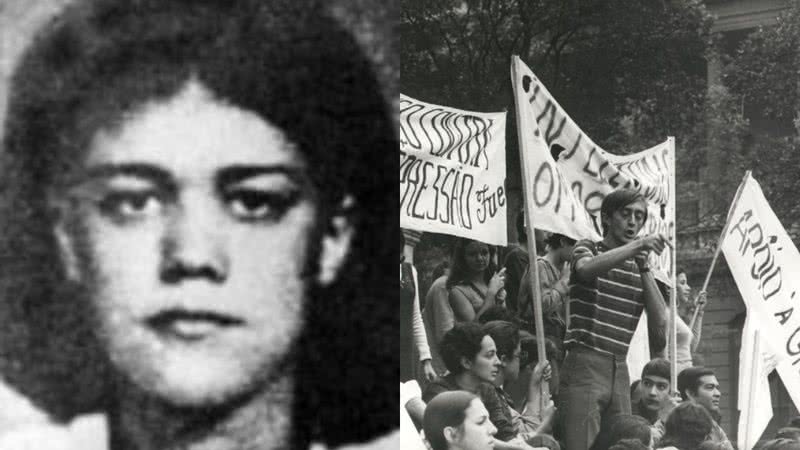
604,312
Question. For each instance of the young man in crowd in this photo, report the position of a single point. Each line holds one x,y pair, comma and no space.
611,285
654,400
699,385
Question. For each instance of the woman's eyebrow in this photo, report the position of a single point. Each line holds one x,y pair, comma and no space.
146,171
234,174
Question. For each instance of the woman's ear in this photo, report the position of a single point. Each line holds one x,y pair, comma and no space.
336,242
450,435
466,363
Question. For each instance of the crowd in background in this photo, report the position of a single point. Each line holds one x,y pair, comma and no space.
472,378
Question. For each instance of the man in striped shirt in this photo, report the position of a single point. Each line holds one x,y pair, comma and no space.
610,285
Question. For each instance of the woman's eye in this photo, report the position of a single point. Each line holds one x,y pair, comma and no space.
130,205
258,205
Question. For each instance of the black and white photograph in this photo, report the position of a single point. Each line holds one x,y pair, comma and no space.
599,224
195,201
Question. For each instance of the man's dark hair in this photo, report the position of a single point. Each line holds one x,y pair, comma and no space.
687,426
496,312
658,367
505,336
530,349
462,341
794,422
286,61
629,444
522,233
689,380
556,241
617,200
788,433
628,426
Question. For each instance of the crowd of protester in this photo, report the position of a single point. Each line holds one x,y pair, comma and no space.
489,390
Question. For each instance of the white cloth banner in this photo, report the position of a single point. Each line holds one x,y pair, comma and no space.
638,350
764,263
754,418
453,171
569,175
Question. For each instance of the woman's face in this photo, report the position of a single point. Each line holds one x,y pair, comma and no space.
683,288
191,225
478,431
476,255
486,364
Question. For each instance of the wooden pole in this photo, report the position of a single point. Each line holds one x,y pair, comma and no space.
673,324
529,228
751,398
718,250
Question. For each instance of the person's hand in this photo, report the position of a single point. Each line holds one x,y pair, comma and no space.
701,300
653,243
548,415
427,370
501,296
542,371
498,281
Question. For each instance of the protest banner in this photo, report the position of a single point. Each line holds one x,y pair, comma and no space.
762,258
452,171
570,175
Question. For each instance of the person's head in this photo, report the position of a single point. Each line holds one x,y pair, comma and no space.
182,177
458,420
794,422
496,312
471,258
713,445
522,233
700,385
468,348
560,245
506,338
629,444
788,433
628,426
684,290
623,213
687,425
654,385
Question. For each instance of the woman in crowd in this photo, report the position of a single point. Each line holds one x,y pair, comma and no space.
687,338
473,284
688,425
412,329
196,197
458,420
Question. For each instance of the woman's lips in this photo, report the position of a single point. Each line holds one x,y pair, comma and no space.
191,325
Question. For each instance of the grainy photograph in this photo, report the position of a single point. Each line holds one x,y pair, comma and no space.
599,214
195,200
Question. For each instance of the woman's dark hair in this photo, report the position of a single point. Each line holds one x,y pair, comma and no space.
461,341
447,409
687,426
555,241
286,61
628,426
629,444
459,272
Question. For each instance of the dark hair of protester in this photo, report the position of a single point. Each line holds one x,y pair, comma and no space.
629,444
461,341
555,240
440,270
522,233
687,426
658,367
285,61
619,199
505,336
689,380
788,433
713,445
780,444
634,387
623,426
530,349
458,269
497,312
447,409
794,422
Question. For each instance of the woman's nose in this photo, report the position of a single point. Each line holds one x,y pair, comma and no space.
193,245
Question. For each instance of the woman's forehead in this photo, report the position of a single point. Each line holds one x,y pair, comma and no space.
193,132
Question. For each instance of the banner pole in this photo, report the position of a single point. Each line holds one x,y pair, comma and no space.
718,250
673,325
529,228
751,398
